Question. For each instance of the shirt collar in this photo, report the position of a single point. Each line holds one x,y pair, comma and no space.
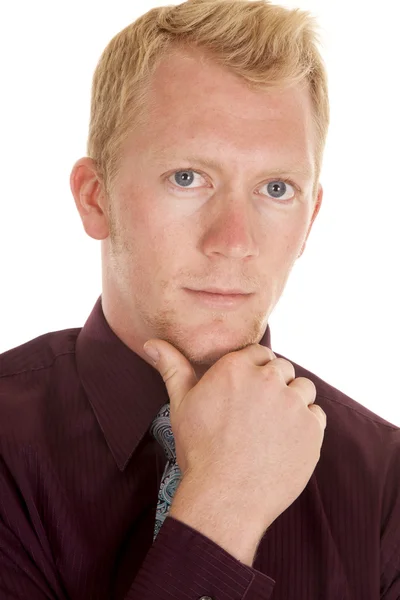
125,392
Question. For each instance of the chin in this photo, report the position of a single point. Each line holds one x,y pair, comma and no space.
208,349
204,341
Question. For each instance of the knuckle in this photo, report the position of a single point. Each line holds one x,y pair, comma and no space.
270,354
168,372
287,363
272,372
312,390
230,360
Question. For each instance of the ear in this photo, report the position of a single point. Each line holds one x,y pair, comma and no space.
317,206
90,198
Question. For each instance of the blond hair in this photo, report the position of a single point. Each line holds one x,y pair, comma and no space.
265,44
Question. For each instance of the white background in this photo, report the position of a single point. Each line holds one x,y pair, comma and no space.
339,314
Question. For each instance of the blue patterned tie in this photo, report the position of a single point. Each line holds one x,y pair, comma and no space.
162,431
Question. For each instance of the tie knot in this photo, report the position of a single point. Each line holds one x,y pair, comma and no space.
161,430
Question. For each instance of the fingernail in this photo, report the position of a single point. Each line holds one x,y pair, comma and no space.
152,353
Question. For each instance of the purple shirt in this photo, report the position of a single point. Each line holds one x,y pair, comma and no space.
79,480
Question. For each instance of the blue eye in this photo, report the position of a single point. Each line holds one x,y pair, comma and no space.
184,178
277,189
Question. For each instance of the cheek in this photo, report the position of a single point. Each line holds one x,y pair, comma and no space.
293,244
283,246
162,249
157,247
295,236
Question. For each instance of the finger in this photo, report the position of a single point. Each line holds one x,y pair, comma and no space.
321,414
256,353
284,367
176,371
305,388
308,392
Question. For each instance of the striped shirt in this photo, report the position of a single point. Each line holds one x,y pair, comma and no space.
79,480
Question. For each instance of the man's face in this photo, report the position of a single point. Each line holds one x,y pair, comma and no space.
183,223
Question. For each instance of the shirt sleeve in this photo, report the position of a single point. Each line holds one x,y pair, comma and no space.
20,578
390,589
21,553
183,564
390,534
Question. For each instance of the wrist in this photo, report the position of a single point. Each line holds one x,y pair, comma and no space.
208,512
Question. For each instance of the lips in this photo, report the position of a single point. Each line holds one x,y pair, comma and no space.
220,295
218,300
223,292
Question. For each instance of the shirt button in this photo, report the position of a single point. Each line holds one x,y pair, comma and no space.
206,598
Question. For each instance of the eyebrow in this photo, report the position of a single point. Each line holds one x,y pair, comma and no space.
303,170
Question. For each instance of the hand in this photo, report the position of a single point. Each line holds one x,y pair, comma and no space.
248,427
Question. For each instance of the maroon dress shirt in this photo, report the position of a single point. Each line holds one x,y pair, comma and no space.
80,474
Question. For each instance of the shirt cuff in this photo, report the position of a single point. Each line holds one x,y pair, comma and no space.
187,565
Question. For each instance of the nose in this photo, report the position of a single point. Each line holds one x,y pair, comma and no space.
231,229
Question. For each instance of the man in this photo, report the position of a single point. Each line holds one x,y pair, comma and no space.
208,125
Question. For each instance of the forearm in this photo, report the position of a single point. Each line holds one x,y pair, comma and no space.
219,517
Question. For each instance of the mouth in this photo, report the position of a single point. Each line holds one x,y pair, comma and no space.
218,300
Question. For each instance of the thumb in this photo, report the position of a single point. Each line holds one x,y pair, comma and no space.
176,371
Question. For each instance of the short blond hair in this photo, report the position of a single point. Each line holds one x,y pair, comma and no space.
265,44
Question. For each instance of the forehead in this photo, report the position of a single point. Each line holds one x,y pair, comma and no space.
195,101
